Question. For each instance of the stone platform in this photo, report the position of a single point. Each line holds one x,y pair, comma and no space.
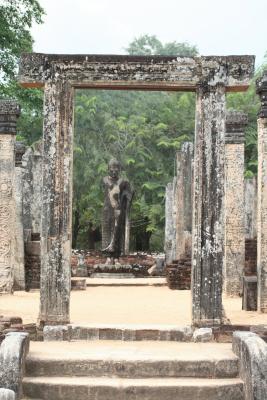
112,275
125,281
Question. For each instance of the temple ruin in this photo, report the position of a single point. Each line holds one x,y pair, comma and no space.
210,236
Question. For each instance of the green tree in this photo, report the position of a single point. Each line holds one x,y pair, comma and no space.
16,19
143,130
151,45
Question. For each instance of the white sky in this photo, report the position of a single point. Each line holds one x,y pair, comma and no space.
107,26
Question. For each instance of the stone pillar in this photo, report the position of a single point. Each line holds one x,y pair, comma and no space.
168,222
32,188
208,207
184,159
234,261
57,203
262,195
19,264
251,208
9,112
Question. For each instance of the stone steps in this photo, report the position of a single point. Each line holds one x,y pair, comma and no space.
132,359
107,370
83,388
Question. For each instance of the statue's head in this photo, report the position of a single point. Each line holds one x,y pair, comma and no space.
114,168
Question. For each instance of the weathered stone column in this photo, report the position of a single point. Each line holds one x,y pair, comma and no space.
208,207
262,195
57,203
169,223
19,261
9,112
234,261
250,188
184,159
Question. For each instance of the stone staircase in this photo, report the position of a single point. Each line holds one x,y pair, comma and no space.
132,370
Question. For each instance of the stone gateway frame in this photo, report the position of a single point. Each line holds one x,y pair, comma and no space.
210,78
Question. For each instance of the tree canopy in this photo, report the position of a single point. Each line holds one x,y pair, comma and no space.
16,19
151,45
143,130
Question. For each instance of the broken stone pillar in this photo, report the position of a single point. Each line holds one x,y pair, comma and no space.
184,159
57,203
9,112
19,261
208,207
234,261
262,195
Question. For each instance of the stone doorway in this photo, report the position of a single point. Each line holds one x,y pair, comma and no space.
210,78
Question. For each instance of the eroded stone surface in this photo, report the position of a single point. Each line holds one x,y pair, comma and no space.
170,222
262,195
56,332
9,112
139,71
208,206
184,165
252,352
6,394
13,352
234,203
203,335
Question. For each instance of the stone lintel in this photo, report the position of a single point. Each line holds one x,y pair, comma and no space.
236,121
137,72
9,112
262,92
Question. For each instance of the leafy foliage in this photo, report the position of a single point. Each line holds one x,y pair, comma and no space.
151,45
16,19
143,130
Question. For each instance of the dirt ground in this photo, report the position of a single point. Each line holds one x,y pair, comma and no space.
122,305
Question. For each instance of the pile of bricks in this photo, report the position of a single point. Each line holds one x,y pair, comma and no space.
15,324
179,274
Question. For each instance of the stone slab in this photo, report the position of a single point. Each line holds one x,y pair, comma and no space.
133,389
179,73
112,275
126,332
126,281
132,359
